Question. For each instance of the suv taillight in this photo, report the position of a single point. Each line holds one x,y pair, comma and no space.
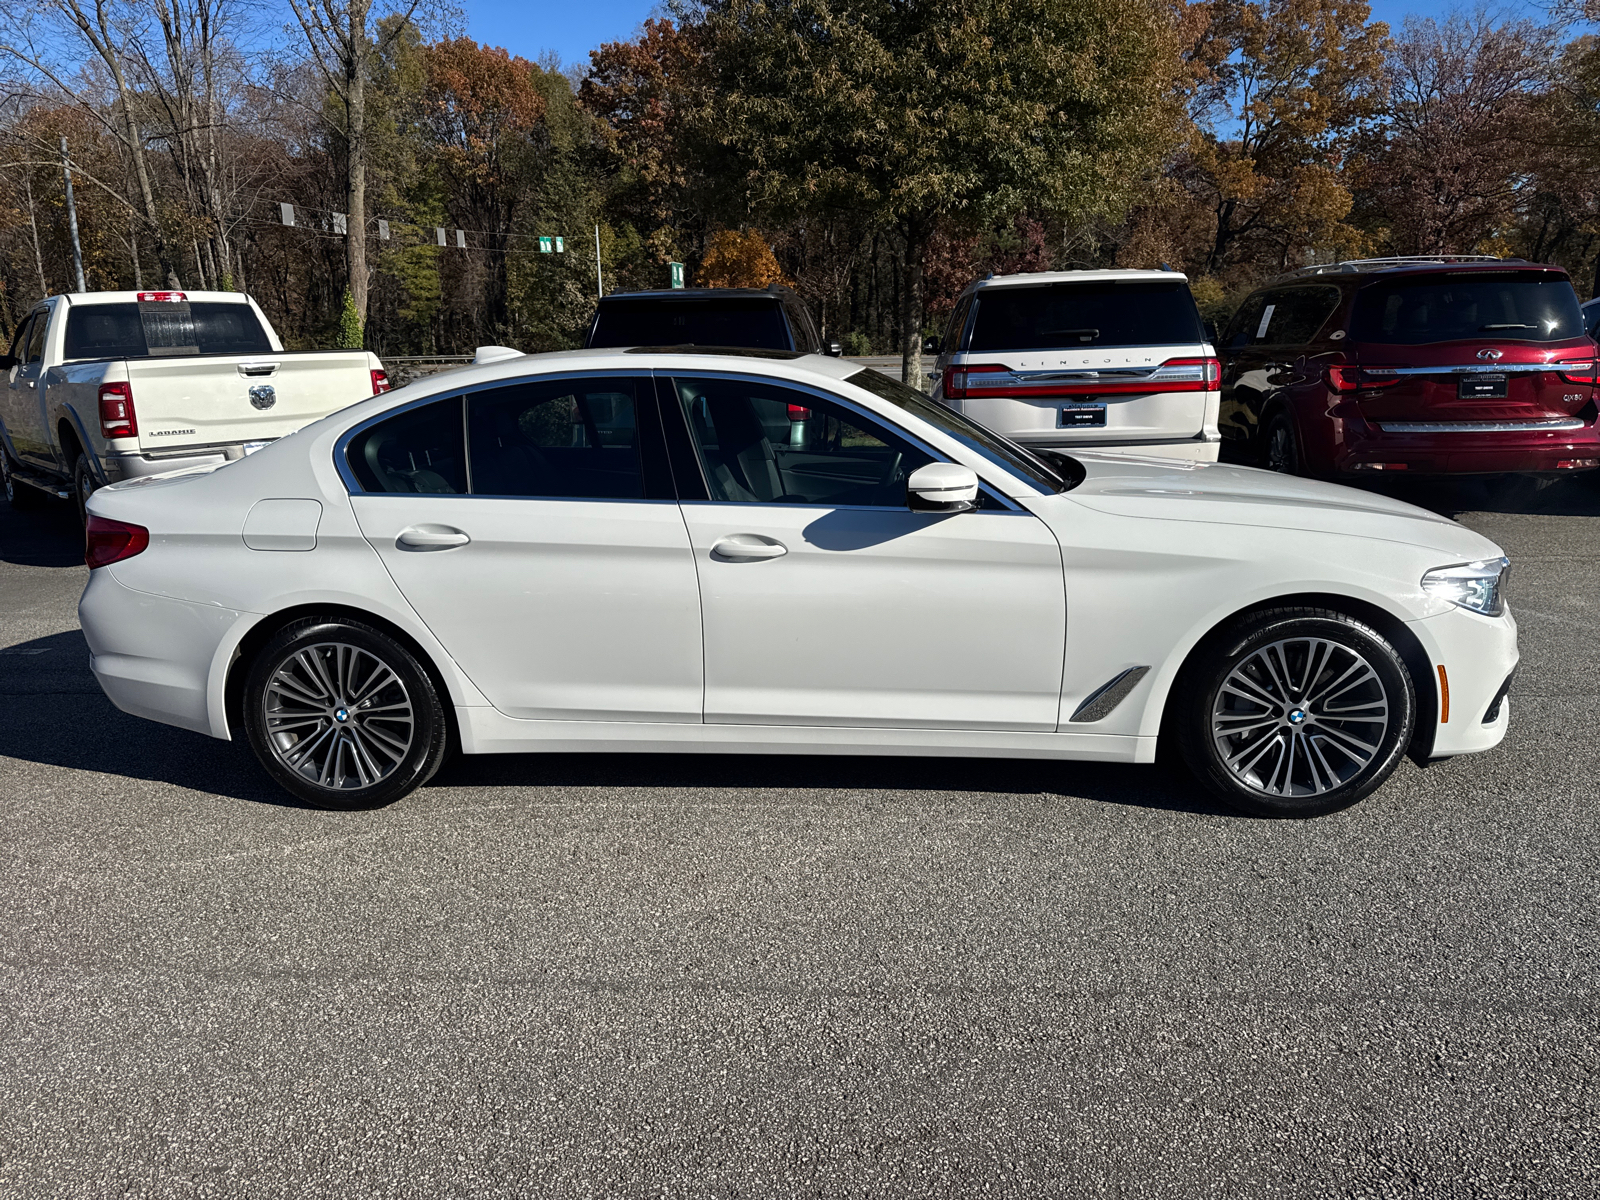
1361,379
955,379
107,541
1577,371
116,411
1174,375
380,382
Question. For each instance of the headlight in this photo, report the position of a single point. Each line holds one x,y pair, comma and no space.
1477,586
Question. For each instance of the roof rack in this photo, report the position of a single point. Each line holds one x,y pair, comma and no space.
1381,264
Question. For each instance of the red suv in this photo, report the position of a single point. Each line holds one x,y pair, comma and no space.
1429,366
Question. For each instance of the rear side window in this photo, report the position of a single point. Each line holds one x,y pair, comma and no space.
1071,316
750,322
574,438
1498,305
419,450
159,329
1293,316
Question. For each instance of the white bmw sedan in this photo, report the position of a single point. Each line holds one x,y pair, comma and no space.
657,550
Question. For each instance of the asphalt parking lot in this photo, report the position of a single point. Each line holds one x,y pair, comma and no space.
700,976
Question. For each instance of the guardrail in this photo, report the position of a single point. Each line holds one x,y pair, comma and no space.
408,368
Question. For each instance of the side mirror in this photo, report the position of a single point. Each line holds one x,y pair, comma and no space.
834,350
942,488
933,345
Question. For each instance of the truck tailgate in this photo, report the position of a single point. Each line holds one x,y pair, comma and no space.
202,401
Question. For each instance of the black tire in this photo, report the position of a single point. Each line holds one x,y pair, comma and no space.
83,486
19,495
1246,744
348,758
1280,445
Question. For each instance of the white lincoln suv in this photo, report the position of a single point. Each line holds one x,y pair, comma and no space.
1115,361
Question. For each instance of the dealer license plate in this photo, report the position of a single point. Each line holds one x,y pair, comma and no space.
1077,416
1481,387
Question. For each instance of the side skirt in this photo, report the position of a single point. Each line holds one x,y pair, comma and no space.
488,731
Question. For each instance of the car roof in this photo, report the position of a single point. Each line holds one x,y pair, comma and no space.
697,294
1364,270
1035,278
88,298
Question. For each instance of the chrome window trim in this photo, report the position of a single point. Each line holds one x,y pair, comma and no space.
342,445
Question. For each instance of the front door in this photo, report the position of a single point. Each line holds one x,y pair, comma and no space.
24,415
543,547
826,601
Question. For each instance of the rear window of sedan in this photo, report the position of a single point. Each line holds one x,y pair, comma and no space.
754,323
1070,316
1527,306
156,330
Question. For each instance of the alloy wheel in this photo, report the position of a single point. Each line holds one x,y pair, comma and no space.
1299,717
338,716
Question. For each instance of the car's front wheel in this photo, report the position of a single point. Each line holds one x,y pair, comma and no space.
342,715
1294,712
18,494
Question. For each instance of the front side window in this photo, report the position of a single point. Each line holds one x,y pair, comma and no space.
1524,306
557,438
419,450
19,343
762,443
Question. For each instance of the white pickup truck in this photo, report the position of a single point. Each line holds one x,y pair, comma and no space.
103,386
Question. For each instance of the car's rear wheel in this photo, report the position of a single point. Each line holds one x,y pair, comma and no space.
1294,712
342,715
1281,445
18,494
83,486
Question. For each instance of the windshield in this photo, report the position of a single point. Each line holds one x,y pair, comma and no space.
1066,316
157,329
751,322
1530,306
1005,454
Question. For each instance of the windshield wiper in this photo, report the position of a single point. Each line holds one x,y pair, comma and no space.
1505,325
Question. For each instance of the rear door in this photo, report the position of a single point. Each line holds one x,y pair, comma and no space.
1098,362
1485,345
555,569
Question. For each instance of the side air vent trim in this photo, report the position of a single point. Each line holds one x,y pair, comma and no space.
1099,704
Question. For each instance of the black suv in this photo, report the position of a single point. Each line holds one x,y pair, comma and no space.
770,319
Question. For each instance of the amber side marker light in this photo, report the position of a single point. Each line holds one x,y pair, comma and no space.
1444,696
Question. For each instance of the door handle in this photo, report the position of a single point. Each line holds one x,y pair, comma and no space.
747,547
430,537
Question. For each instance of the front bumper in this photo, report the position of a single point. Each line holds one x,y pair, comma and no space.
1478,655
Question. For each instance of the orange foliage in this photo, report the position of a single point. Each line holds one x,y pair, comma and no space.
736,259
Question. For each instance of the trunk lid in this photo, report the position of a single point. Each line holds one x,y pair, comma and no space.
1475,381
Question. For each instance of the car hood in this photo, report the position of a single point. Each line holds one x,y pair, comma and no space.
1222,494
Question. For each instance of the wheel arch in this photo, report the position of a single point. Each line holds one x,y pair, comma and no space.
262,632
1393,628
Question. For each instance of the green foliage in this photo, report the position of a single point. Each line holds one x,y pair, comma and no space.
350,336
856,344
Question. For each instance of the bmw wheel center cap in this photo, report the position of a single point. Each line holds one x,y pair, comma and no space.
1297,716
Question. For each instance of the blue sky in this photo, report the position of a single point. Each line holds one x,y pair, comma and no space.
530,29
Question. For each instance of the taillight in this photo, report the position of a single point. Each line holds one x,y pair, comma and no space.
955,378
1174,375
1354,379
109,541
1210,374
116,411
799,413
380,382
1577,371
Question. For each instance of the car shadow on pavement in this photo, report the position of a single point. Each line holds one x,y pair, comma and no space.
52,712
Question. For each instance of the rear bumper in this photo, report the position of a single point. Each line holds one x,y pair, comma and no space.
1361,447
133,464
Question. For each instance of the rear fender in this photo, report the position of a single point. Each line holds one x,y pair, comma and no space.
64,415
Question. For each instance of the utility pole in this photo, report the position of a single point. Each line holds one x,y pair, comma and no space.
599,279
72,215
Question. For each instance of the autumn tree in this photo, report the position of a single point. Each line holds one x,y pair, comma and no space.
1286,82
735,258
958,110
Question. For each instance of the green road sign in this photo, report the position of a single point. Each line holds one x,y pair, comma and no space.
561,246
677,274
544,245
